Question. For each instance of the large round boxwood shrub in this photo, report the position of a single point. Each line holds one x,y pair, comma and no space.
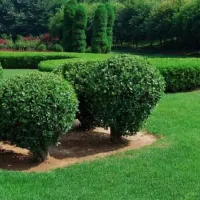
35,109
123,90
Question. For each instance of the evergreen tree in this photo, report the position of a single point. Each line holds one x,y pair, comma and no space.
78,30
69,14
99,37
110,25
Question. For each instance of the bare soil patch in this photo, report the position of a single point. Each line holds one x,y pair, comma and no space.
74,147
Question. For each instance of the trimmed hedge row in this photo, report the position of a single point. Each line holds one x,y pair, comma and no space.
180,74
51,65
28,60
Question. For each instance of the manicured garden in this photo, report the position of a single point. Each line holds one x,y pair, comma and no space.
166,170
82,119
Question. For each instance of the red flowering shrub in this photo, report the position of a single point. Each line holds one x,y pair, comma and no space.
3,41
46,38
31,38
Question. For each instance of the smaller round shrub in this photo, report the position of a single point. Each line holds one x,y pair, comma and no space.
35,109
122,92
58,48
77,74
42,47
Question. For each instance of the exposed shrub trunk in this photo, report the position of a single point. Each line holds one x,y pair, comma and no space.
115,135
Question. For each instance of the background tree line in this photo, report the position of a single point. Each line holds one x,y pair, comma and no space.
173,21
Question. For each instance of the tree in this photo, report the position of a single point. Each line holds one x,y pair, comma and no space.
110,24
99,37
69,13
56,23
78,30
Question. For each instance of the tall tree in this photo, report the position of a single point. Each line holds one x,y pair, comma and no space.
69,14
78,31
99,38
110,24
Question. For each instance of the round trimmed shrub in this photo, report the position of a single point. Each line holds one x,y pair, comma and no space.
58,48
35,109
77,74
123,90
42,47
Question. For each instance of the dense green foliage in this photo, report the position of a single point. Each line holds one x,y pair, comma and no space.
28,60
58,48
77,74
69,14
78,30
26,17
56,23
126,79
99,37
138,21
180,74
110,24
51,65
35,109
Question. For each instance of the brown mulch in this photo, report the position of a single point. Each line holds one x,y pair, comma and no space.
74,147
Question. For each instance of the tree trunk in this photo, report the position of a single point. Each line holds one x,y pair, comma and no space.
41,156
115,135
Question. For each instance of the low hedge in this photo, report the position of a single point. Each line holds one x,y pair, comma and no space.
28,60
50,65
180,74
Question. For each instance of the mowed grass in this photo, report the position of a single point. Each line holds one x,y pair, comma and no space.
7,73
169,169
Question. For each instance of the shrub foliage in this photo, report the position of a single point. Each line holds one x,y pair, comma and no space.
69,13
123,90
99,37
77,74
35,109
111,20
78,31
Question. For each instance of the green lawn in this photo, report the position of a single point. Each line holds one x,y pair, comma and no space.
11,72
169,169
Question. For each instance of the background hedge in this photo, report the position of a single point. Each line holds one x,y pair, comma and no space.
28,60
180,74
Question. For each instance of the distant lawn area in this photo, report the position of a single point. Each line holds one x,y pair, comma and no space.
7,73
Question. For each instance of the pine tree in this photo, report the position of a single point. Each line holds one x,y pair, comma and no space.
78,31
69,14
110,24
99,37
